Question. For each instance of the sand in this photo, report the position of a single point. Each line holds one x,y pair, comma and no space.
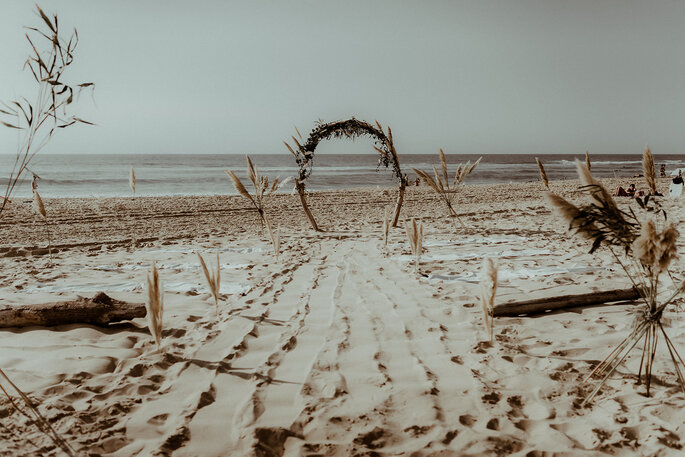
339,348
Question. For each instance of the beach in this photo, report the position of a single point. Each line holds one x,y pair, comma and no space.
341,346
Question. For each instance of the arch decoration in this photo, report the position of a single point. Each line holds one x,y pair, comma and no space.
350,128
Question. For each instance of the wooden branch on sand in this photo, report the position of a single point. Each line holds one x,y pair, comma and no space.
542,305
99,310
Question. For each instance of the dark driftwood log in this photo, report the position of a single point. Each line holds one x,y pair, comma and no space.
99,310
541,305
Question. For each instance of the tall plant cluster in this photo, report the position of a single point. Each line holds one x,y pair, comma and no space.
262,188
645,247
442,186
51,54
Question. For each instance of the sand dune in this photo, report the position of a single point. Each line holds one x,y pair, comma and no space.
338,349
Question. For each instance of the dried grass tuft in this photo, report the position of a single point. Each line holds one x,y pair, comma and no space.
414,233
649,170
35,417
275,237
543,175
213,279
262,189
132,181
587,160
488,285
155,305
39,208
442,186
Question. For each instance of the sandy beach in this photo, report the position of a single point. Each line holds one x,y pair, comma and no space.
340,347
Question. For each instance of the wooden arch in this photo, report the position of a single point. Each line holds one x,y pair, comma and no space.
350,128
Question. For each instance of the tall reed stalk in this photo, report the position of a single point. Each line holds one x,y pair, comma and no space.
39,208
262,189
414,233
213,279
155,305
36,122
442,186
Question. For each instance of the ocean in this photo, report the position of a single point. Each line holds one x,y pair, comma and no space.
100,175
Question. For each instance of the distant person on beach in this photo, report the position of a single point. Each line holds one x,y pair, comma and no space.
417,182
629,192
34,183
678,179
662,171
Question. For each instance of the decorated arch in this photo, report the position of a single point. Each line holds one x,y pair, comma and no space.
350,128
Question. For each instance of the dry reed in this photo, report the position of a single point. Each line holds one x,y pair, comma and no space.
155,305
488,285
35,417
275,237
50,56
39,208
414,233
442,186
543,175
132,181
649,170
262,189
649,249
587,160
213,279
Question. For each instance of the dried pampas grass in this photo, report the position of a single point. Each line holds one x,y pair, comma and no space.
649,170
543,175
213,279
275,237
35,417
155,305
441,184
587,160
414,233
262,189
39,208
132,181
488,283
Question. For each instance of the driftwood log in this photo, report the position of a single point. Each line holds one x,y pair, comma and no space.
542,305
99,310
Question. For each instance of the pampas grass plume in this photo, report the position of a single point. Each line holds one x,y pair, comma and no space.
668,246
132,181
155,305
543,175
587,160
275,237
213,280
645,247
38,205
488,284
649,170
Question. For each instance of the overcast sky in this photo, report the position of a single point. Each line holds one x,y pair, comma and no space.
215,76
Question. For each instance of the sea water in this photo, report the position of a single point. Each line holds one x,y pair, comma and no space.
102,175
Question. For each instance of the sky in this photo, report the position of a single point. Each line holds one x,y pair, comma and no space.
478,77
